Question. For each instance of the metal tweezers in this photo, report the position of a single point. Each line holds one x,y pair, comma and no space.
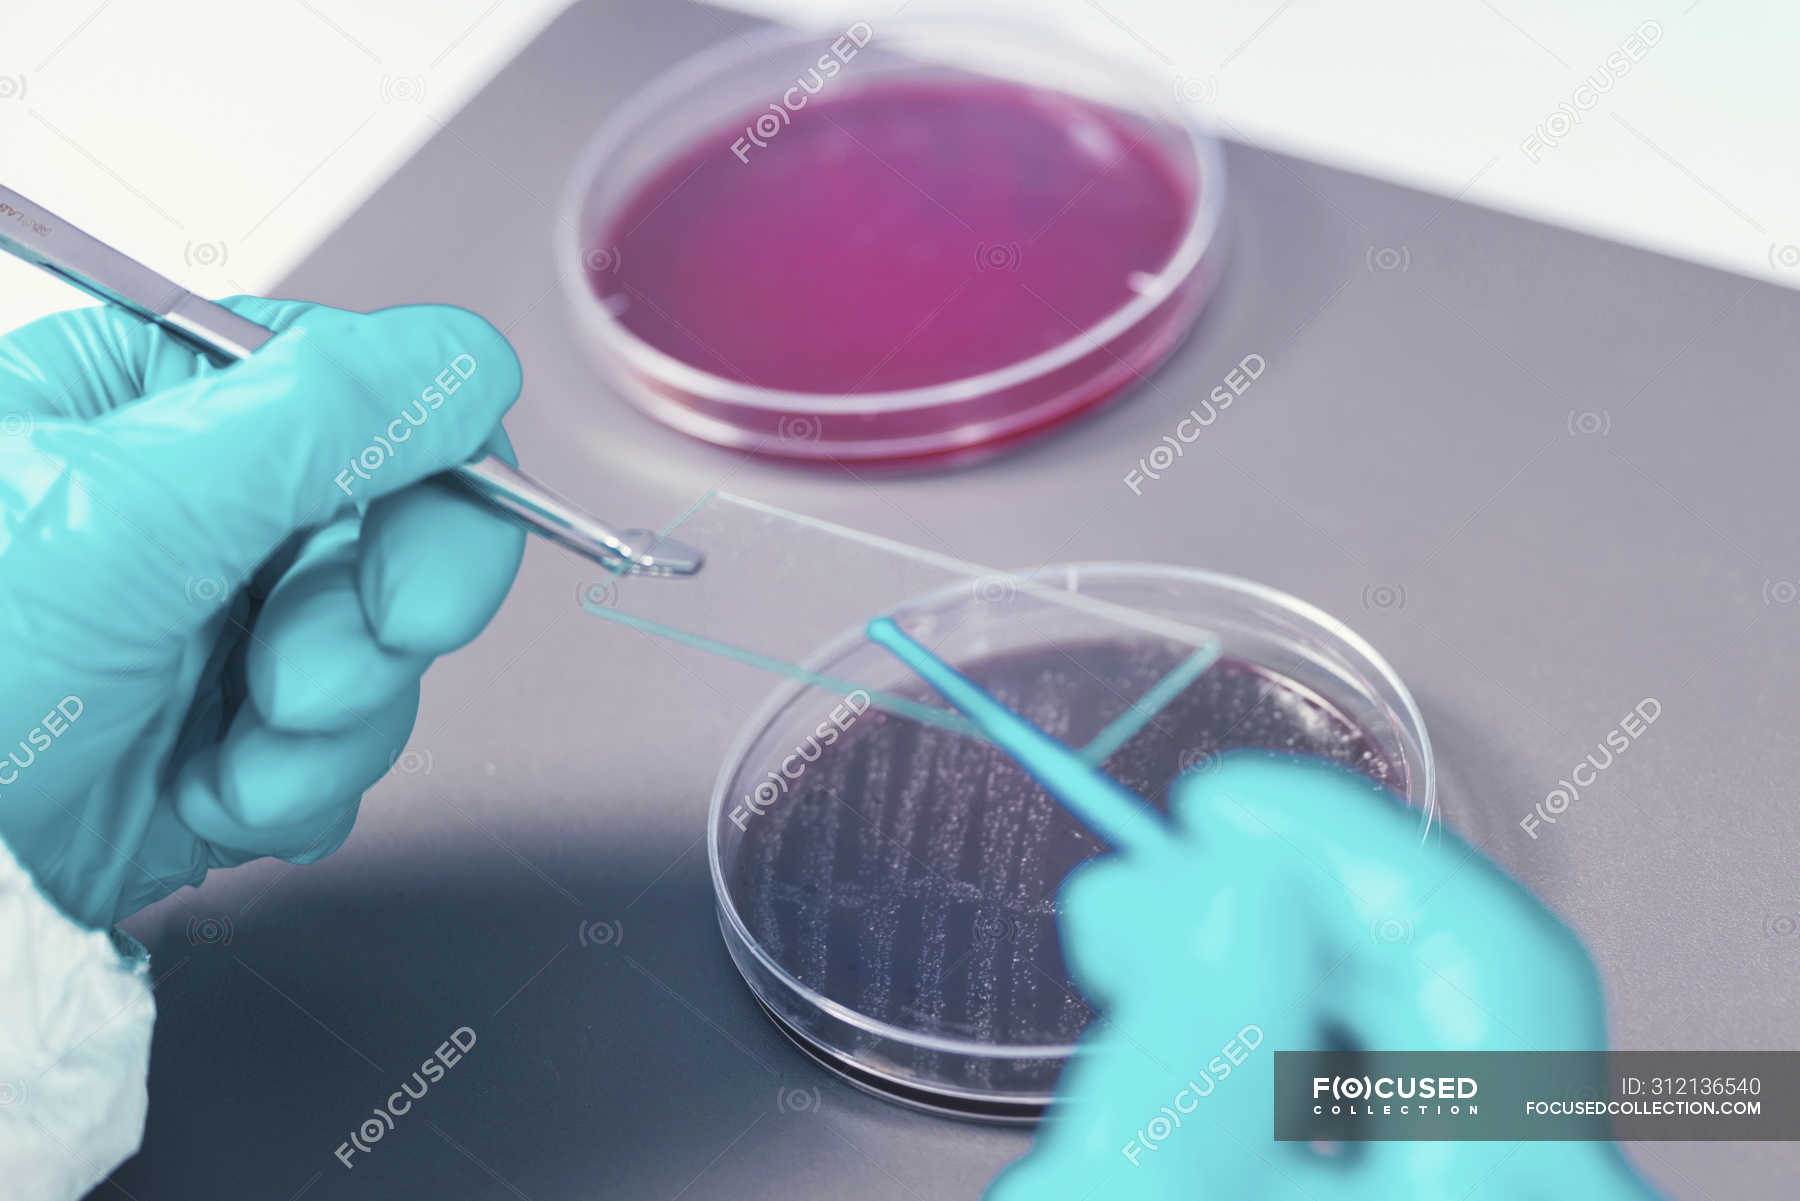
33,233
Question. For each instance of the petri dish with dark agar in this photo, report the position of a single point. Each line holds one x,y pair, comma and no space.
888,888
881,244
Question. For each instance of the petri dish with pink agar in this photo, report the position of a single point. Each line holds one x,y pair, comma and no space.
886,243
888,887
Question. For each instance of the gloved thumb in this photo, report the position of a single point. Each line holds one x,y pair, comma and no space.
194,486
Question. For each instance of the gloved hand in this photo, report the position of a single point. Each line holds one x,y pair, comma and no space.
220,586
1298,901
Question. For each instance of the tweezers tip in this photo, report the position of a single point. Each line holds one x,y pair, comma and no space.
652,554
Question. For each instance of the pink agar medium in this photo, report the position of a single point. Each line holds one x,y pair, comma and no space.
898,236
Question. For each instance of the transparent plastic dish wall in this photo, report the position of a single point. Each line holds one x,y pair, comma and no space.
886,880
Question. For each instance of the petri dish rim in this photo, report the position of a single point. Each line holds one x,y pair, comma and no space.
1198,238
1409,719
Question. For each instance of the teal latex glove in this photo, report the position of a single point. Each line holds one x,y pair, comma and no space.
1295,898
1291,906
220,586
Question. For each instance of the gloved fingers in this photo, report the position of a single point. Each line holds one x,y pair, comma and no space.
1432,934
86,362
1149,1121
1296,797
168,858
1319,824
1096,907
1330,829
262,791
164,360
1299,899
67,365
1108,1091
1188,916
1499,974
206,479
435,565
312,841
363,607
313,665
1351,871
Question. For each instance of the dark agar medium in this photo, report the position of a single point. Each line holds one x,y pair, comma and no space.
892,901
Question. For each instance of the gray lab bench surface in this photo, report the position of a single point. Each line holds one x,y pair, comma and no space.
1548,476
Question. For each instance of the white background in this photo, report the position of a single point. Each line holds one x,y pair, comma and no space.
220,140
